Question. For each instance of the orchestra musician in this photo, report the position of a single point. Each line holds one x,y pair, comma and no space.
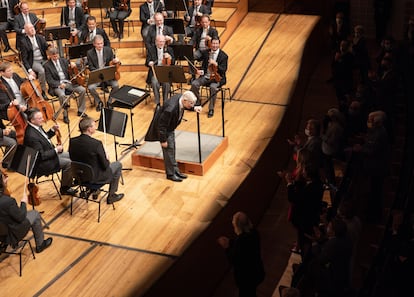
159,29
192,16
24,17
159,55
214,63
58,79
33,51
119,11
147,11
73,17
89,32
98,57
202,36
51,158
9,24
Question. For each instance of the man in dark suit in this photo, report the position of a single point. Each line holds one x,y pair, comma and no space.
33,51
99,57
147,11
193,15
50,158
159,29
202,36
72,16
24,17
86,149
7,25
19,220
215,59
170,117
90,31
155,55
57,76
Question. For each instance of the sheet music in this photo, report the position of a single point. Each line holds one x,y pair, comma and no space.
136,92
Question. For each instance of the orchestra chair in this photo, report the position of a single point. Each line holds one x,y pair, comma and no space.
127,21
5,247
51,177
223,90
88,190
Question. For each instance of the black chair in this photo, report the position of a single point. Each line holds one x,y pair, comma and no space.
39,179
83,175
5,247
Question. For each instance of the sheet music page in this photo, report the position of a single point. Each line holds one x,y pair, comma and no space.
136,92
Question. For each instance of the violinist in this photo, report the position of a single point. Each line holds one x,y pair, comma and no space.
193,15
147,11
159,55
91,30
160,29
98,57
51,158
73,17
24,17
203,36
57,76
8,25
213,73
33,51
20,220
119,11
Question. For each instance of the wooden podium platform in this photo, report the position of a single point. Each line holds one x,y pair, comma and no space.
212,146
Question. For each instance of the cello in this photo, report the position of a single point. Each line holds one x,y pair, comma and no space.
15,116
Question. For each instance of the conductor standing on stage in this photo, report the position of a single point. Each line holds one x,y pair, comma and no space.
170,117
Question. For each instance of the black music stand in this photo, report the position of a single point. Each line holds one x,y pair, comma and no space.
115,124
181,51
58,33
79,51
176,5
100,4
176,24
170,74
129,97
102,75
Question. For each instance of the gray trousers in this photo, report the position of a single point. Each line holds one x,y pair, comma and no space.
116,168
64,163
38,68
92,88
34,218
156,89
203,81
169,155
72,88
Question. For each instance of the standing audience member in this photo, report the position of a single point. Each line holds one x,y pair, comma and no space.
360,52
244,254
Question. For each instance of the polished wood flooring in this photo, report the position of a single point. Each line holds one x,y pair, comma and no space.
157,220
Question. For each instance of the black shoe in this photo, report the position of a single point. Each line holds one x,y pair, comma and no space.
68,191
66,119
46,243
82,114
99,106
7,48
114,198
174,178
181,175
210,113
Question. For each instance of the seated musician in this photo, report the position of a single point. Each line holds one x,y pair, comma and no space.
73,17
33,51
86,149
191,17
98,57
214,59
119,11
89,32
159,55
60,84
147,11
51,158
159,29
9,24
23,18
202,36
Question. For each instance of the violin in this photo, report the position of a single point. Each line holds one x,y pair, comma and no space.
117,66
40,25
6,190
34,198
123,6
15,116
213,68
75,74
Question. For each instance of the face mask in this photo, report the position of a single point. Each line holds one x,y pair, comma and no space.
307,132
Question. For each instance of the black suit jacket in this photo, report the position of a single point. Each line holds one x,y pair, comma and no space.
47,161
203,9
195,40
169,118
222,61
108,56
89,150
144,13
52,75
79,17
99,31
15,218
19,22
152,55
152,33
26,50
4,98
